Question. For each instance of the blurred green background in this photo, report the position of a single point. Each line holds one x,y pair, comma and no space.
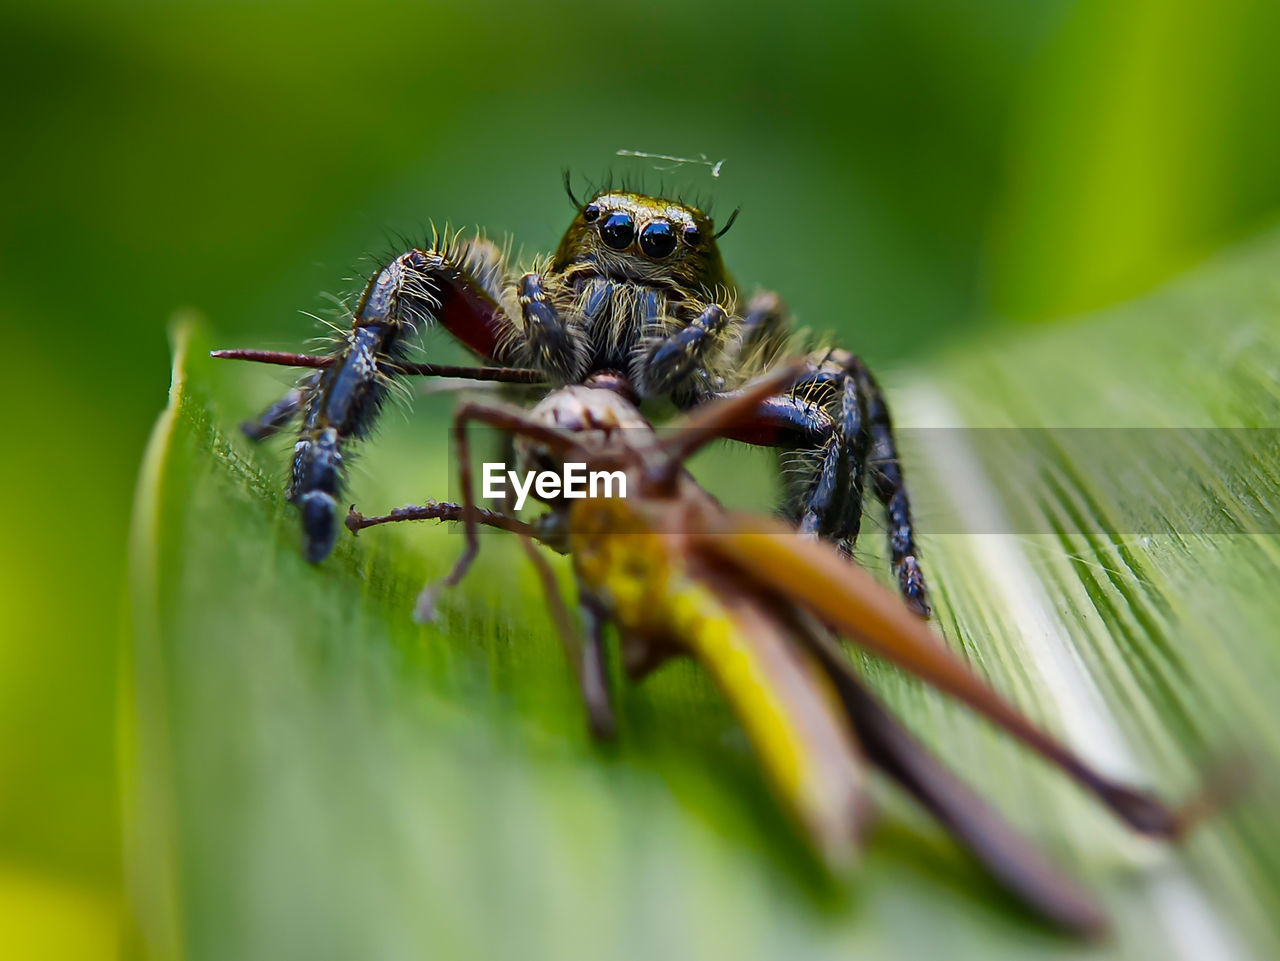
909,173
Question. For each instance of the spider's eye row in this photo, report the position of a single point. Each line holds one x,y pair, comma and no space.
618,230
658,239
591,213
692,235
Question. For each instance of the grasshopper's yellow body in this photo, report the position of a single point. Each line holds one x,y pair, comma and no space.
665,598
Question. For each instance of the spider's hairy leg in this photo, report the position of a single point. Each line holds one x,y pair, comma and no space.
280,414
670,361
793,423
856,439
765,323
836,418
454,284
885,468
831,508
552,344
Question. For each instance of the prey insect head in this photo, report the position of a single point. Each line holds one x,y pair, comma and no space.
638,237
600,415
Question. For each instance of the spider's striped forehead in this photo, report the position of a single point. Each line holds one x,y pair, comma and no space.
623,234
646,209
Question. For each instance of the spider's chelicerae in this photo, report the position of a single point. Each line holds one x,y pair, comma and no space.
637,285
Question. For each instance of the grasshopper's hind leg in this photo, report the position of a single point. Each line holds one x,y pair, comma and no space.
593,675
1011,860
585,654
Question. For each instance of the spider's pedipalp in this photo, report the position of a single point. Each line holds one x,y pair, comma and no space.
667,365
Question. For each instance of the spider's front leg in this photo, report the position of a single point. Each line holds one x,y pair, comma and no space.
456,286
836,415
280,414
885,467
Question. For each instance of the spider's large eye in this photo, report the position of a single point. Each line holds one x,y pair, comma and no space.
658,239
618,230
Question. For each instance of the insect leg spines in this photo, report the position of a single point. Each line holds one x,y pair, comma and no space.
454,284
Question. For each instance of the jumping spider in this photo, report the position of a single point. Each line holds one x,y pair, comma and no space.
637,285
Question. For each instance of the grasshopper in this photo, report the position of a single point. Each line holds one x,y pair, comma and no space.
760,607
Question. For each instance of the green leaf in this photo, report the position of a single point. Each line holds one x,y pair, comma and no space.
312,775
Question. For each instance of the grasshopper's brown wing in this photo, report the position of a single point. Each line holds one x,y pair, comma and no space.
814,577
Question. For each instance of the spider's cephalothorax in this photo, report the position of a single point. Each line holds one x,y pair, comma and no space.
637,285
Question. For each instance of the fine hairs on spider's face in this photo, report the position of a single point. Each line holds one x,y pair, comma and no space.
637,237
